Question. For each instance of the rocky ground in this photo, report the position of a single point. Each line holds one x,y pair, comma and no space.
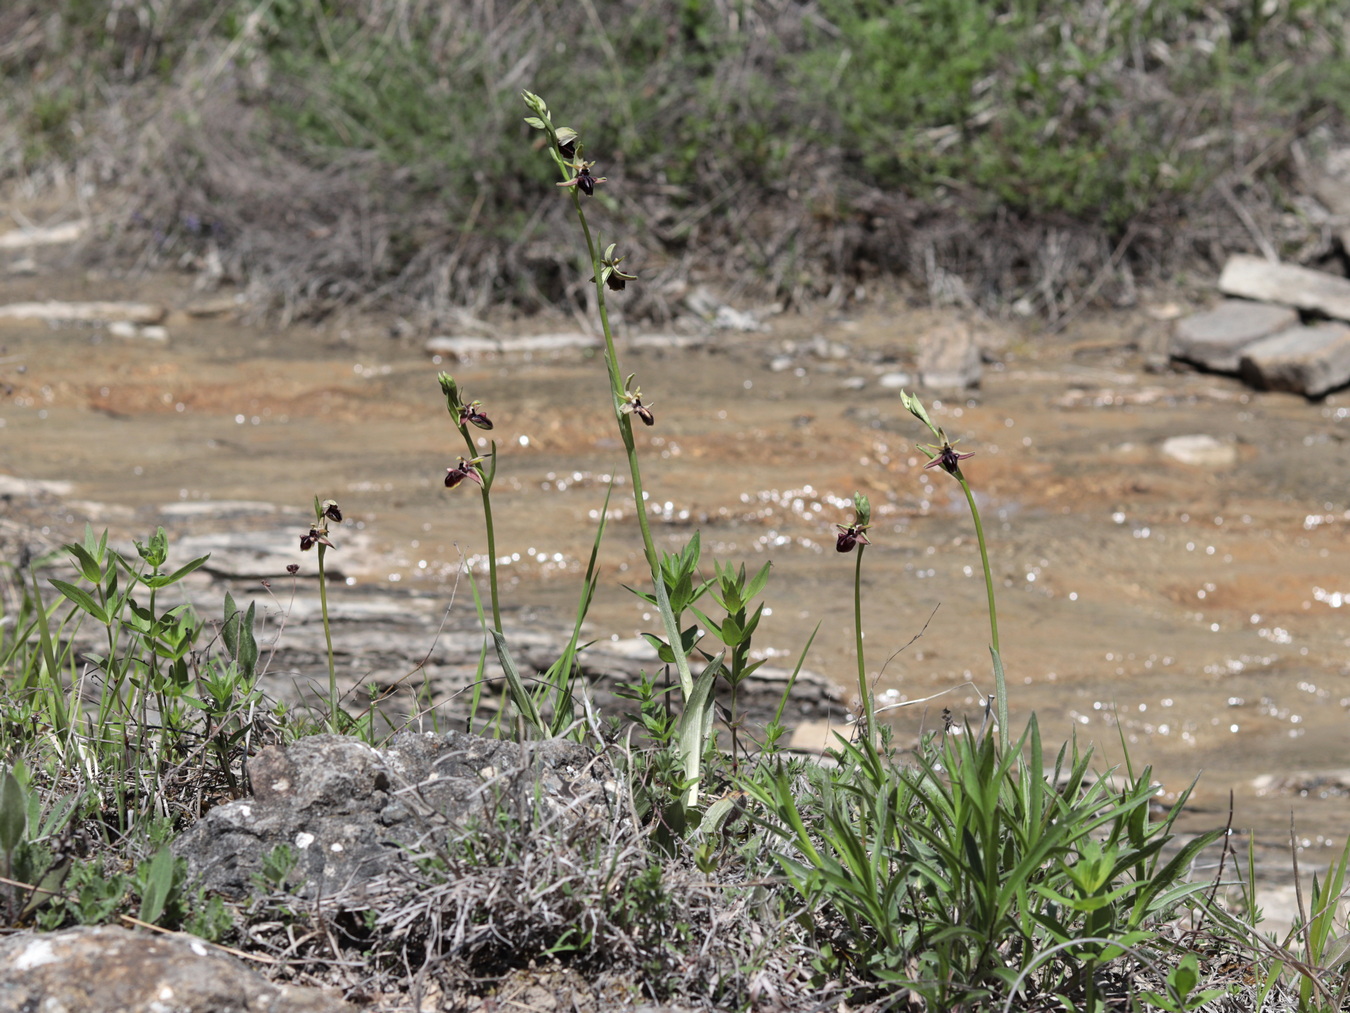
1112,425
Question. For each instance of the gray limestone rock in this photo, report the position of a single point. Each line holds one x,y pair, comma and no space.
1305,360
99,969
350,813
1215,338
949,359
1255,278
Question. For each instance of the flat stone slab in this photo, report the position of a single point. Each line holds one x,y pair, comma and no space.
1254,278
215,306
22,239
219,509
468,346
92,312
1215,338
266,554
1306,360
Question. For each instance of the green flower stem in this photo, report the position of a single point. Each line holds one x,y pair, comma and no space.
616,389
1000,687
869,714
485,491
328,638
492,552
697,701
634,469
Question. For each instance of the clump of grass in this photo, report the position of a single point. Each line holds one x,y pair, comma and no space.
947,878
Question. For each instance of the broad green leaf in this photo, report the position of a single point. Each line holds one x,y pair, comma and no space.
1186,975
731,632
673,637
717,815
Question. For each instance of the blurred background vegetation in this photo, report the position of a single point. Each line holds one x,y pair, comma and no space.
347,154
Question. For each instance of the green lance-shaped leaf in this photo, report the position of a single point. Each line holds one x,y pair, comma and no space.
516,686
158,883
165,579
90,568
48,886
238,636
230,631
13,813
696,724
82,598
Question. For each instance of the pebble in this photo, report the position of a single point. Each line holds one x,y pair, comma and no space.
895,381
12,485
150,332
1200,450
822,348
728,319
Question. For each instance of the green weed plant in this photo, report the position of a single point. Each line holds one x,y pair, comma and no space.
99,736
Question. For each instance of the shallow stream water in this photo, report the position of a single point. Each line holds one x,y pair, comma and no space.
1195,615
